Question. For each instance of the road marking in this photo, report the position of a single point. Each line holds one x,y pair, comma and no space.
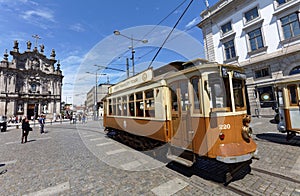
89,135
95,139
8,162
104,144
133,164
169,188
52,190
116,151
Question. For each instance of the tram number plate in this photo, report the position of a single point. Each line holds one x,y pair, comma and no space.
224,126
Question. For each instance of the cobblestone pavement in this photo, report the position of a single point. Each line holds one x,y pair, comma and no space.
80,160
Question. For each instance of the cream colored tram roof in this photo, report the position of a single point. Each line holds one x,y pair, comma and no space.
195,65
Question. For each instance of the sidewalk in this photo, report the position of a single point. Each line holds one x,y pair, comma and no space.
11,126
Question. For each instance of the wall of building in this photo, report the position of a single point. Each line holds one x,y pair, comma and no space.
279,55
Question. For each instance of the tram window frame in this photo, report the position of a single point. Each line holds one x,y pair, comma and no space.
119,106
213,101
174,98
139,103
110,107
113,106
196,94
184,95
149,103
241,94
293,102
124,106
131,105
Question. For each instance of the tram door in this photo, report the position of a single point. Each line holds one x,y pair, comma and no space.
181,121
294,110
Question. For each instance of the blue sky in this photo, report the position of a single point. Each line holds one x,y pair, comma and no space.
81,32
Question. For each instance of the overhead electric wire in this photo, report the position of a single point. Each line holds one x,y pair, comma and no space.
170,32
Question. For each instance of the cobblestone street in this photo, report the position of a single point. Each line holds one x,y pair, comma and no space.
80,160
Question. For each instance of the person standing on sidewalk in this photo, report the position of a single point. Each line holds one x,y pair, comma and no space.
42,123
25,129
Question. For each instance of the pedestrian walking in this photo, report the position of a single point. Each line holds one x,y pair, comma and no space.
42,123
25,129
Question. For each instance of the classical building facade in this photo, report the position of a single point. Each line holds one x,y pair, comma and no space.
30,84
261,36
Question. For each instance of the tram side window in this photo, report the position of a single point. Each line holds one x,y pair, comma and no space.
113,107
131,105
119,107
124,105
196,95
238,89
139,104
110,109
174,100
184,95
293,95
149,110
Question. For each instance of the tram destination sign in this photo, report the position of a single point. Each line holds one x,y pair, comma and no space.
236,74
138,79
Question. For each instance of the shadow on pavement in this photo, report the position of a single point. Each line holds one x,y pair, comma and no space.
210,169
279,138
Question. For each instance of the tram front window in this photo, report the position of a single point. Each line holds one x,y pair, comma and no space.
238,89
218,95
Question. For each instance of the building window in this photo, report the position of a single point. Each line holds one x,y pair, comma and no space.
229,50
266,96
262,73
251,14
33,88
226,27
255,39
295,70
282,1
290,26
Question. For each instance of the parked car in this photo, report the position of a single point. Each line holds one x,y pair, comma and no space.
3,123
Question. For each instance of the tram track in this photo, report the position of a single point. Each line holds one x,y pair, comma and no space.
276,175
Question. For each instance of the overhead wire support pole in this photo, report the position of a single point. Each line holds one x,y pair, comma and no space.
170,33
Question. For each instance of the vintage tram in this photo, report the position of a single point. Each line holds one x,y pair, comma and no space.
195,108
288,93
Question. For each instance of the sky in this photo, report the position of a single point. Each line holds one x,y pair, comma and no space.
82,34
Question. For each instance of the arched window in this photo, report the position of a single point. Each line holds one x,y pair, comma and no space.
295,70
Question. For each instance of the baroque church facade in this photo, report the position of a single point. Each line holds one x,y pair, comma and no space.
31,84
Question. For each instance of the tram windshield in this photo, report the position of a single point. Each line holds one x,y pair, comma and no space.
220,93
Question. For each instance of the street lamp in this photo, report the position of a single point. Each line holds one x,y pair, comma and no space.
96,97
116,32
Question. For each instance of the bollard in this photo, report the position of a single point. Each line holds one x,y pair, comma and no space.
17,126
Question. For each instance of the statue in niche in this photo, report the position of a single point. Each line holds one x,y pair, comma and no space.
28,45
20,108
45,109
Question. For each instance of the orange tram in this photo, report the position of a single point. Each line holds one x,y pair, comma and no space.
194,109
288,93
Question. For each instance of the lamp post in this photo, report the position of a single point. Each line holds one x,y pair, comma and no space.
116,32
96,97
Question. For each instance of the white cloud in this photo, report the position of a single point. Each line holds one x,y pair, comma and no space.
38,14
77,27
192,23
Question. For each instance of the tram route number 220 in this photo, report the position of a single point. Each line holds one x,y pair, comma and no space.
224,126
